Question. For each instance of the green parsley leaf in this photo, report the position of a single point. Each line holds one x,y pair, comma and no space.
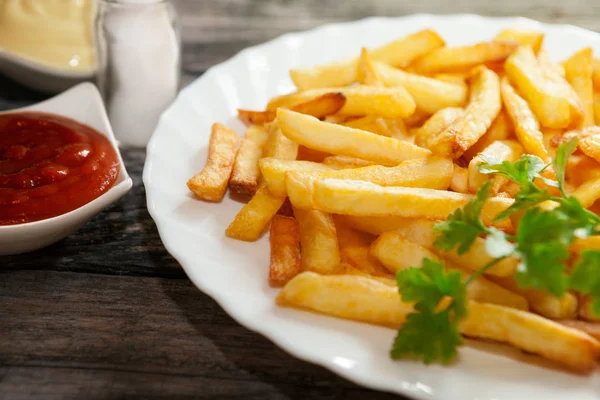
464,225
543,240
586,277
563,152
429,334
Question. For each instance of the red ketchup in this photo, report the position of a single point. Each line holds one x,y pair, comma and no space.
50,165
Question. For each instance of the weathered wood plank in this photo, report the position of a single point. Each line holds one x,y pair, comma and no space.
71,334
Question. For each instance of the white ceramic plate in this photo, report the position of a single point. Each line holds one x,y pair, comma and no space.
235,273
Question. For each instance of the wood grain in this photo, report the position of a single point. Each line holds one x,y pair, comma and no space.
108,314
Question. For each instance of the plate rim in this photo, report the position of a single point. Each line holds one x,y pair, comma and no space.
236,313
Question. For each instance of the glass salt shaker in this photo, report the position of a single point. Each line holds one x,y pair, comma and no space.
139,62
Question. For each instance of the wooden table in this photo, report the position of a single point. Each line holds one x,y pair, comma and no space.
107,313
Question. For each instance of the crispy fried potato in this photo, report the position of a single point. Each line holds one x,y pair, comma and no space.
422,232
596,106
273,171
278,146
367,123
463,58
550,97
522,37
541,301
590,146
436,124
252,220
596,72
353,297
532,333
433,172
244,178
367,74
342,140
430,95
496,153
588,193
367,199
588,243
526,125
457,77
579,133
318,239
398,53
398,253
360,100
460,180
343,162
210,183
591,328
252,117
306,154
484,105
501,129
285,250
394,128
354,250
578,72
375,225
581,169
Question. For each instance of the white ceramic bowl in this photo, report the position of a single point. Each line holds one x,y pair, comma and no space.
39,76
82,104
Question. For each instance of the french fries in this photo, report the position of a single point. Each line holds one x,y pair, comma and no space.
578,72
245,174
458,59
523,37
360,100
398,53
210,183
397,253
484,105
497,152
356,168
550,97
526,125
430,95
285,250
345,141
318,239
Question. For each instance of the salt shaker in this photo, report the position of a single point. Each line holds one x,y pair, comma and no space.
139,59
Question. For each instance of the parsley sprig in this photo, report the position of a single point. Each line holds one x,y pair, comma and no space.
541,243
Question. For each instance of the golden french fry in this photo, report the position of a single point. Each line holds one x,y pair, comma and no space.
397,253
578,72
306,154
285,250
342,140
484,105
457,77
360,100
541,301
550,97
354,250
532,333
522,37
581,169
367,199
596,106
417,119
318,239
398,53
430,95
367,74
460,180
579,133
495,153
210,183
433,172
458,59
588,193
343,162
252,220
436,124
596,72
394,128
245,174
526,125
367,123
273,172
353,297
590,146
591,328
252,117
278,146
500,129
422,232
375,225
588,243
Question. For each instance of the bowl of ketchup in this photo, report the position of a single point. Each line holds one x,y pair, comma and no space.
59,167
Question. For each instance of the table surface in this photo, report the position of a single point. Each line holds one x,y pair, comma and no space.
108,313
